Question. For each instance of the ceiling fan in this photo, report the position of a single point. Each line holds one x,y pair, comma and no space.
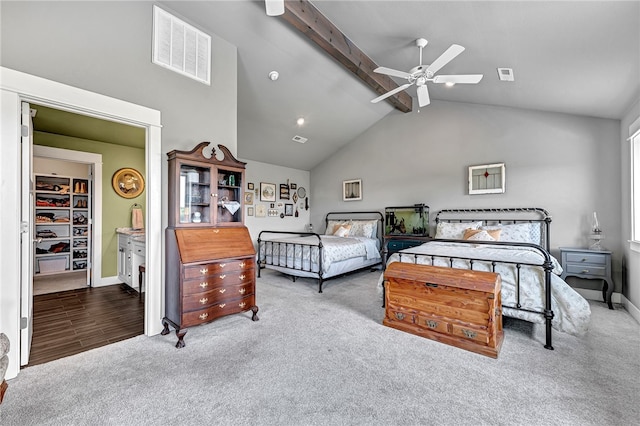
421,74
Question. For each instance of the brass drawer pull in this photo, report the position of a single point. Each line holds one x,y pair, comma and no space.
431,323
431,285
222,290
222,305
242,290
203,316
222,265
242,276
204,300
242,305
215,231
204,271
241,264
585,271
399,315
222,276
468,333
204,284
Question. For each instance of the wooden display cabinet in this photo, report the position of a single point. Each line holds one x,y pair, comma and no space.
210,258
205,191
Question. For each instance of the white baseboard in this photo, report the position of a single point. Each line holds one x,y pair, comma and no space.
597,295
631,308
104,281
615,298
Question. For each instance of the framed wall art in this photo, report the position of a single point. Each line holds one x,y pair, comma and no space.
250,186
352,190
261,210
284,191
128,183
487,179
288,209
248,198
249,211
267,191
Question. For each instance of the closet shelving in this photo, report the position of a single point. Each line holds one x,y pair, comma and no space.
62,224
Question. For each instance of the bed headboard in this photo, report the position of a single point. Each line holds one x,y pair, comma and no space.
502,216
356,216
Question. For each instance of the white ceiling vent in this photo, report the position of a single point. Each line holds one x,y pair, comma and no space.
299,139
505,74
180,47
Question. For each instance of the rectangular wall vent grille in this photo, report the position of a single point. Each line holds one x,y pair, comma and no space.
299,139
180,47
505,74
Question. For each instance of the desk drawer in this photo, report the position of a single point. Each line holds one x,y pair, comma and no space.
594,258
573,268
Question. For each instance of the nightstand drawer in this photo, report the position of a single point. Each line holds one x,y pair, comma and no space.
595,258
573,268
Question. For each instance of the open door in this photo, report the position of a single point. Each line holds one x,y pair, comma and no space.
27,234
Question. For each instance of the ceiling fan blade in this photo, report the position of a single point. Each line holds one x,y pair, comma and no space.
423,96
463,78
391,92
444,59
392,72
274,7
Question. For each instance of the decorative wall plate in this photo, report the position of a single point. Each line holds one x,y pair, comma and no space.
128,183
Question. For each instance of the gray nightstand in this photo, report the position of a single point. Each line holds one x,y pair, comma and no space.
589,264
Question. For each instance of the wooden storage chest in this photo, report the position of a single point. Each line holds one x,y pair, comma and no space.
458,307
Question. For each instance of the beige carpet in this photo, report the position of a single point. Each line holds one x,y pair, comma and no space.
60,282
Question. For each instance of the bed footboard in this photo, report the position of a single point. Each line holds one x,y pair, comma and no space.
270,253
547,265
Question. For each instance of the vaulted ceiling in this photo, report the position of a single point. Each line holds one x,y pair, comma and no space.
573,57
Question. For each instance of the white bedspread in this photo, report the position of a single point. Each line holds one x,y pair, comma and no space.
571,310
301,250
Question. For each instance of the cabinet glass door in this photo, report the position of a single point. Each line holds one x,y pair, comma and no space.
229,208
195,194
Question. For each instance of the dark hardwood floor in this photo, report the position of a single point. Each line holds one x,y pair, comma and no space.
74,321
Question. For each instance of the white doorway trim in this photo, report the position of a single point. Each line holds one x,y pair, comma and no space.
96,235
16,87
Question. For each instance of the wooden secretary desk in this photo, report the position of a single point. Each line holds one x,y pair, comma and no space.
210,258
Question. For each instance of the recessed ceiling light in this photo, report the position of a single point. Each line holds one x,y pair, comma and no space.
300,121
273,75
449,84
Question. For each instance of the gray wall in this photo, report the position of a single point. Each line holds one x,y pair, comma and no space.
569,165
106,47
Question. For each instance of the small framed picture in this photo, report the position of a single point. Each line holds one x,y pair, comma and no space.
248,198
267,191
261,210
288,209
284,191
352,190
249,211
293,186
250,186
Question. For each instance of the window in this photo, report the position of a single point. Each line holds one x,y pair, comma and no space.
634,131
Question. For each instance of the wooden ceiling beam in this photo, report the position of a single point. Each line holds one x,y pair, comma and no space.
303,16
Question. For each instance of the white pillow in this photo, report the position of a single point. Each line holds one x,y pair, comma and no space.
454,230
363,228
518,232
333,225
342,231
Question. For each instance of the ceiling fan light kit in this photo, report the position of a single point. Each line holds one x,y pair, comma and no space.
421,74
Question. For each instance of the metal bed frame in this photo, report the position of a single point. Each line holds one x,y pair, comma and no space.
268,246
538,215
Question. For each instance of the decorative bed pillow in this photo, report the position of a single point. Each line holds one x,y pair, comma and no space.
454,231
363,228
517,232
333,225
481,235
342,231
